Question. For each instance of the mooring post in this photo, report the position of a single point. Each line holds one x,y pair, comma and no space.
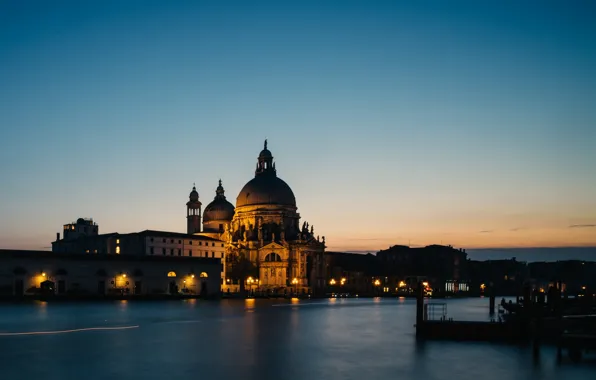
492,299
419,309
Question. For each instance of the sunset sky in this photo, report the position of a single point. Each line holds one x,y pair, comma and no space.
460,123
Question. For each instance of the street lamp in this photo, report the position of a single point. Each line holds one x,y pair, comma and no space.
295,283
377,284
249,281
343,281
332,282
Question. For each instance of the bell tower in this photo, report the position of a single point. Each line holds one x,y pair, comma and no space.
193,212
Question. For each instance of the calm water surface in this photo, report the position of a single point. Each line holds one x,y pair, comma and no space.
256,339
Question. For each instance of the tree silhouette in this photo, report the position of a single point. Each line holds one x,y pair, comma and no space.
241,268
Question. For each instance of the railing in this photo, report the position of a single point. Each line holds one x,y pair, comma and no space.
435,311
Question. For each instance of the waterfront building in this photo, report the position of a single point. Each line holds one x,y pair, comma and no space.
42,272
145,243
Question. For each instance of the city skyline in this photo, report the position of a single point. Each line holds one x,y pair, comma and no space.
392,124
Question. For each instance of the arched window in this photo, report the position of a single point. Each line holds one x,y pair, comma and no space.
171,274
272,257
203,275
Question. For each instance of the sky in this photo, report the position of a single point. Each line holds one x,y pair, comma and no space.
394,122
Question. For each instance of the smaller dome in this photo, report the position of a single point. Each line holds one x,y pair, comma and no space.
265,153
194,195
219,209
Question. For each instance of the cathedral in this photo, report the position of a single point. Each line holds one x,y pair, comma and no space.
264,230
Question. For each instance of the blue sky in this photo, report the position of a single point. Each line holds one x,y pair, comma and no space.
467,123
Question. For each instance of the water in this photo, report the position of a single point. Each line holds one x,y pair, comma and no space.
256,339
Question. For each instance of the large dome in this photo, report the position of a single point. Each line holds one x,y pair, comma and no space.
266,189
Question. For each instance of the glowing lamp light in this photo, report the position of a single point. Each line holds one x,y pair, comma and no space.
402,284
482,286
332,282
425,283
43,274
124,275
295,281
192,276
377,282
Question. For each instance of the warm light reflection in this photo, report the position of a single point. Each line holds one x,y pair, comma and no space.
249,303
295,300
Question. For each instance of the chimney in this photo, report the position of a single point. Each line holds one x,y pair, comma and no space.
57,236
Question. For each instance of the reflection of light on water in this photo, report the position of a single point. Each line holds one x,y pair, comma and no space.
402,299
249,304
332,300
191,301
377,299
295,300
68,331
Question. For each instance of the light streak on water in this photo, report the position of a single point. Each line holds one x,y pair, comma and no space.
67,331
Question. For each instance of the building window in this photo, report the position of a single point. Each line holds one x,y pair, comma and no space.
117,250
190,253
206,254
213,244
164,240
87,251
179,241
190,242
212,254
172,252
117,241
151,240
163,251
151,250
172,241
95,251
200,243
222,245
179,252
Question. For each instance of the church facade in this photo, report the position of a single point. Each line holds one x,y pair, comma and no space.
264,232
